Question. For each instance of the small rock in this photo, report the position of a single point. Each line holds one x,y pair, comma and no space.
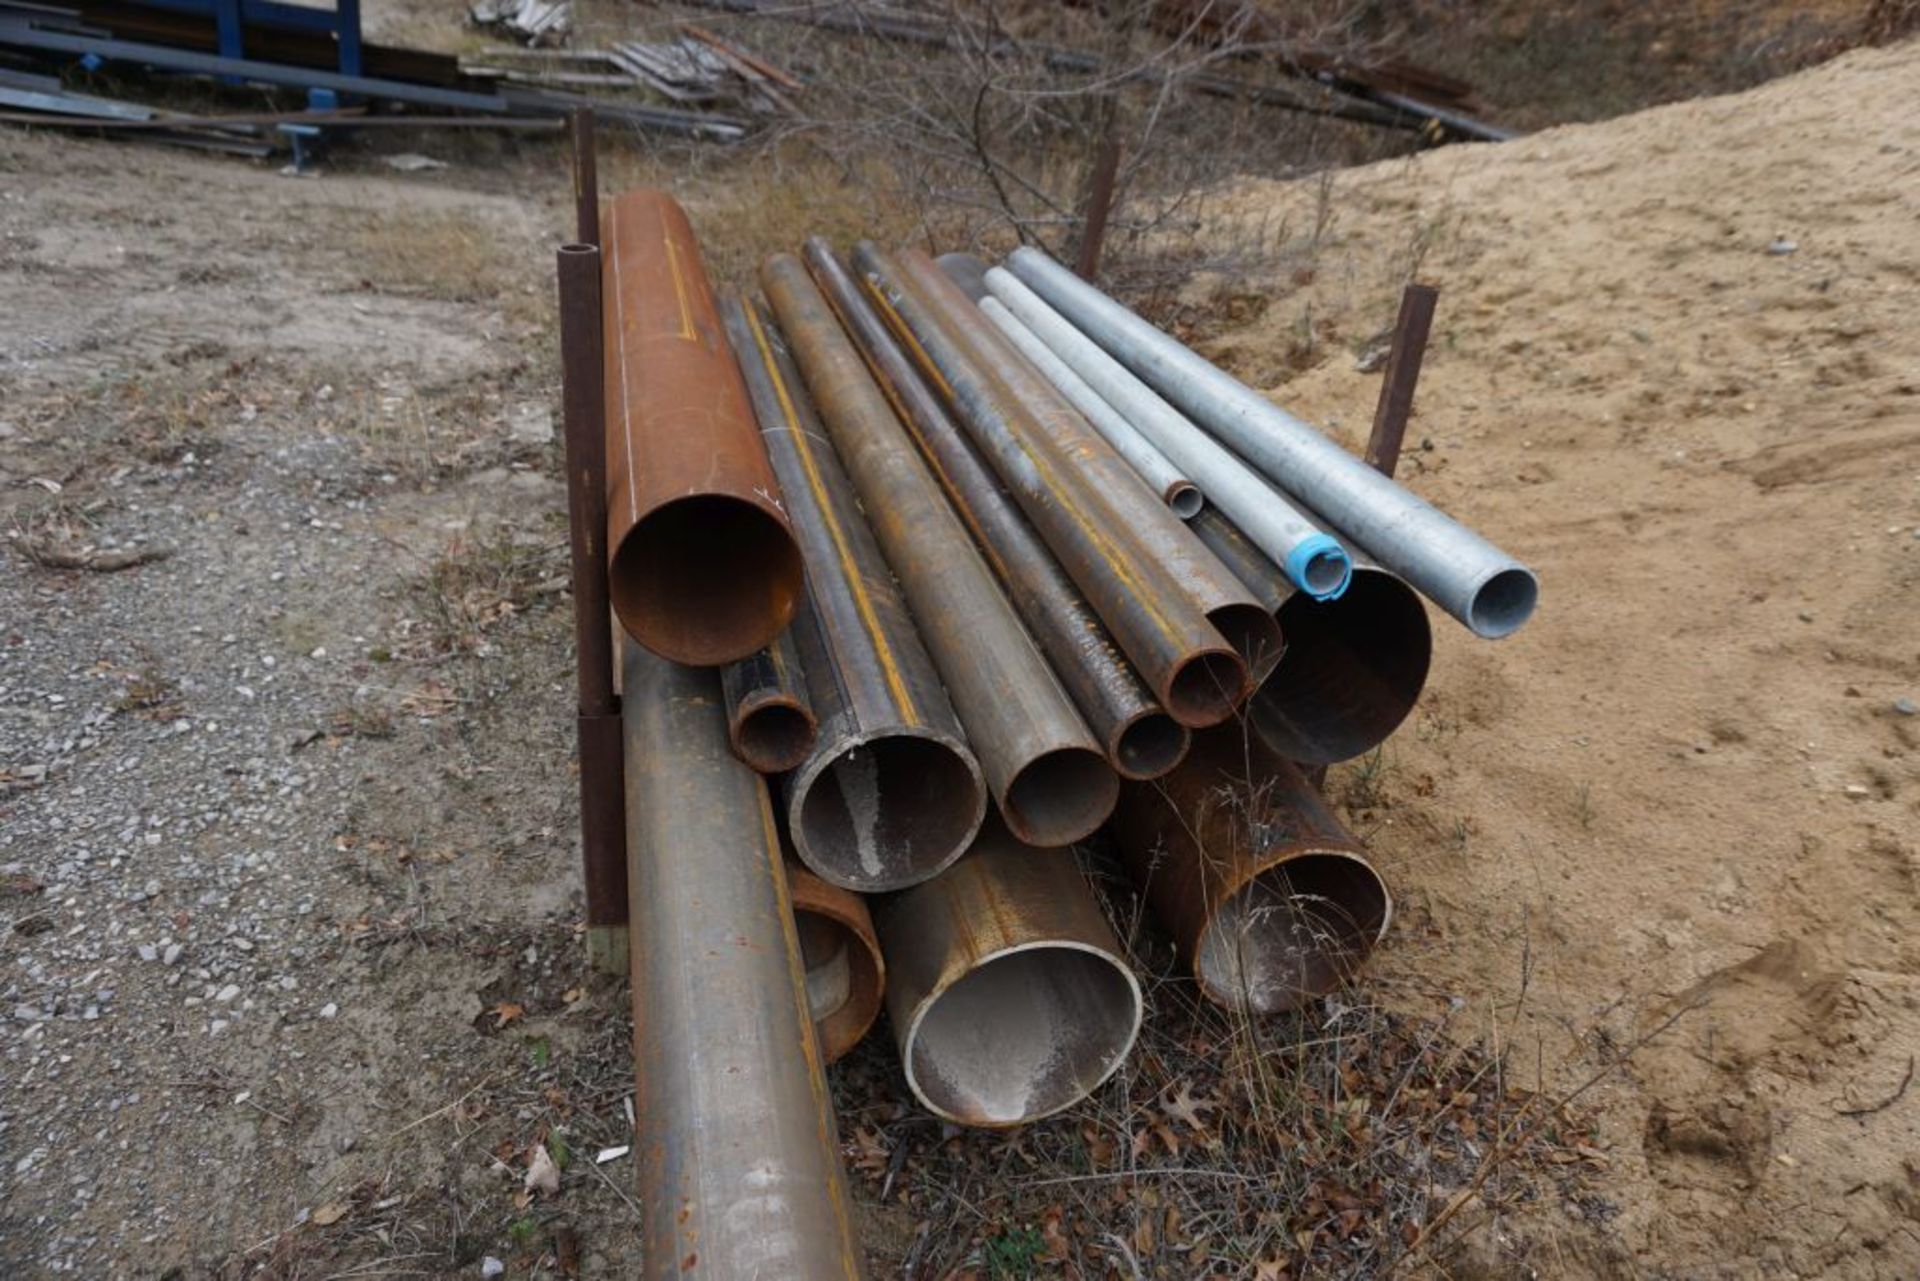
216,1027
1858,791
492,1267
1806,616
148,952
1906,707
172,955
1782,247
227,993
328,1010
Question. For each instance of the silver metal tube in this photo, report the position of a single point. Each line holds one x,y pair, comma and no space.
1154,467
1313,559
1463,573
737,1163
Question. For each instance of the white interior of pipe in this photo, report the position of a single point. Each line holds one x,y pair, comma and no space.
1293,932
887,812
1026,1033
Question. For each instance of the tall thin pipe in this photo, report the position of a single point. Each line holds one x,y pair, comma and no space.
1313,559
1195,674
1463,573
738,1165
1047,772
1155,528
703,567
891,792
1141,740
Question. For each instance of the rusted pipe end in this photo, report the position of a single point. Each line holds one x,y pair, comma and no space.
1353,670
1022,1034
705,579
1297,929
1148,745
845,975
1255,635
1060,796
1185,498
885,809
773,733
1205,688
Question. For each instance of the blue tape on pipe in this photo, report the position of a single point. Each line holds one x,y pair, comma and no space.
1309,561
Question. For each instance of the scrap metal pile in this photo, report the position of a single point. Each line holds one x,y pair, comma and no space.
927,571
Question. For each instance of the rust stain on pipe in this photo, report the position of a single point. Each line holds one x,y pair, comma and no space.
1271,899
1196,675
1009,996
1354,667
737,1161
1045,769
703,567
892,793
1159,531
1141,740
845,975
769,719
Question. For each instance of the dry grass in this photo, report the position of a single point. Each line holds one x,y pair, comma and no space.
476,583
452,256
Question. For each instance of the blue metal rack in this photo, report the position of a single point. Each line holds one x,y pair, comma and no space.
231,18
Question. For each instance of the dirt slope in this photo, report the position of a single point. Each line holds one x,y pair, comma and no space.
1676,367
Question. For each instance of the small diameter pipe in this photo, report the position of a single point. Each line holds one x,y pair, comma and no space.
1141,740
1167,480
1313,559
703,567
737,1160
1009,996
1271,900
1045,769
845,976
1152,526
1354,667
769,719
1457,569
891,793
1197,676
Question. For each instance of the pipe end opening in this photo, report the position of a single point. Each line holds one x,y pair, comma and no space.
1206,689
775,736
1185,499
887,812
842,980
1149,746
1295,932
706,580
1503,603
1060,797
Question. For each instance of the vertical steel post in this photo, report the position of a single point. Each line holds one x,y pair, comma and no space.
602,815
1093,226
1402,373
586,177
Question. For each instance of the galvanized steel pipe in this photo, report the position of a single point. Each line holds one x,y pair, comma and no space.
1353,668
1196,675
1045,769
1463,573
1009,996
1155,529
845,976
1312,558
703,566
769,718
1141,740
737,1162
891,793
1271,900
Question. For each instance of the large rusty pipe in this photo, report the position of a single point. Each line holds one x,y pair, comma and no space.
1271,900
703,566
1141,740
891,793
1154,526
597,727
844,973
769,717
1353,667
1009,997
1193,671
737,1160
1046,770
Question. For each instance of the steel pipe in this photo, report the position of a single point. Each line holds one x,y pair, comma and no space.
1353,668
1141,740
1151,526
1457,569
1153,467
891,793
845,976
769,718
737,1160
1009,997
703,566
1197,676
1045,769
1312,558
1269,897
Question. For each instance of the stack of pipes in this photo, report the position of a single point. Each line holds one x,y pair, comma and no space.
928,572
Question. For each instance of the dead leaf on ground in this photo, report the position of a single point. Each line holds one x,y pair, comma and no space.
329,1214
543,1176
506,1012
